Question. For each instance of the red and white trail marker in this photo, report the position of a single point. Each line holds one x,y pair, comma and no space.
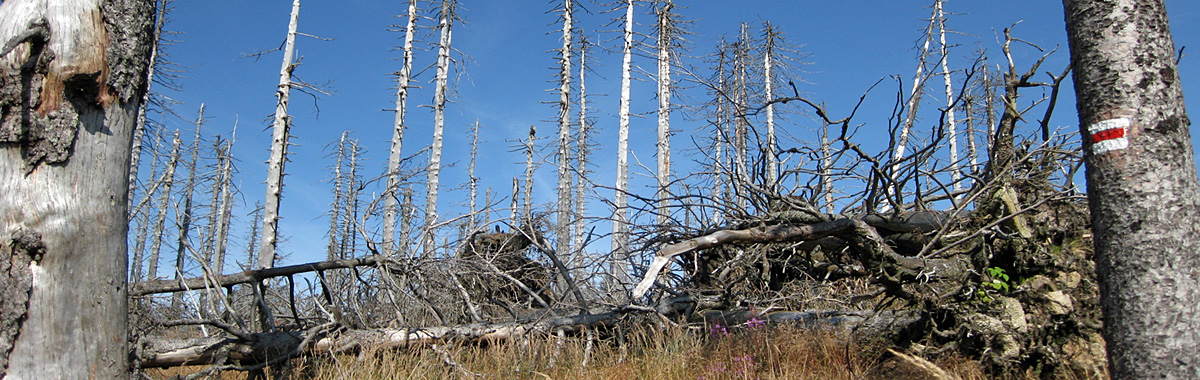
1108,135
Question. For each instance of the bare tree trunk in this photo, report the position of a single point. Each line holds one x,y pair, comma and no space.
72,76
563,158
582,150
214,207
165,204
914,102
184,216
139,131
279,145
666,37
336,238
951,123
403,78
516,194
741,129
473,181
914,97
721,139
225,211
445,24
768,83
139,245
620,233
1143,190
527,211
407,208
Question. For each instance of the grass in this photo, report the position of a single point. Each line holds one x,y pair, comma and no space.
672,353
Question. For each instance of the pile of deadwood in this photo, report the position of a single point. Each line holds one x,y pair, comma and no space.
1009,282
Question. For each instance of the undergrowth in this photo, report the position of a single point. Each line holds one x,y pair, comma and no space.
752,351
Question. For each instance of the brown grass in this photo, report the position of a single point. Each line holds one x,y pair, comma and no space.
780,352
674,353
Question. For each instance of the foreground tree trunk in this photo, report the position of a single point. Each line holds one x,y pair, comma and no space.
1142,185
71,76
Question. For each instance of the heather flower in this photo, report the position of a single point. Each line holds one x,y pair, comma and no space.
755,322
718,330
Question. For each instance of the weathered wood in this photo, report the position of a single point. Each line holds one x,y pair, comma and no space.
72,74
866,241
249,276
158,352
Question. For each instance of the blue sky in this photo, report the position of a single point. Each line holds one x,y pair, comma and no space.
505,82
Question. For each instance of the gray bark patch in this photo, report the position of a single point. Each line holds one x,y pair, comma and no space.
16,281
48,138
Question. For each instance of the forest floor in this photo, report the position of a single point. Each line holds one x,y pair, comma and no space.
752,351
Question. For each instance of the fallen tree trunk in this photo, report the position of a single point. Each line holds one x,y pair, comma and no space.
250,276
864,239
159,352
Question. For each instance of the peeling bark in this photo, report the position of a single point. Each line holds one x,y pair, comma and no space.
71,78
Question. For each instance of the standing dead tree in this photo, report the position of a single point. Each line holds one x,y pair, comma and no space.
71,78
279,145
403,82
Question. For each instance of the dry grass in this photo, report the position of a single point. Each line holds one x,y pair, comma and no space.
762,353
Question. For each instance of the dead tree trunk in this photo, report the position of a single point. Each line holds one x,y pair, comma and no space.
403,78
184,215
279,144
620,230
1143,190
445,25
563,158
666,40
71,79
165,204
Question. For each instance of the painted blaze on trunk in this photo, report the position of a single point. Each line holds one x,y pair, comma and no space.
1143,190
71,78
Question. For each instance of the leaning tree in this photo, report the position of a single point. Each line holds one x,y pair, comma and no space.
1142,185
72,75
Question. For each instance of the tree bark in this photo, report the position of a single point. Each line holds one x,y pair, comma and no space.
439,123
563,158
393,169
279,144
1143,190
71,79
666,39
620,229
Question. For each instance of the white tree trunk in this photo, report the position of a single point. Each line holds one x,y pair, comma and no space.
527,206
64,176
139,132
620,237
445,23
563,158
666,35
164,202
279,145
951,123
581,150
768,88
403,78
226,209
473,185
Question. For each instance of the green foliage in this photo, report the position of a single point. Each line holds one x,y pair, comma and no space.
998,281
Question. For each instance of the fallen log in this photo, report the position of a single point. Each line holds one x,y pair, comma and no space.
160,352
250,276
864,239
